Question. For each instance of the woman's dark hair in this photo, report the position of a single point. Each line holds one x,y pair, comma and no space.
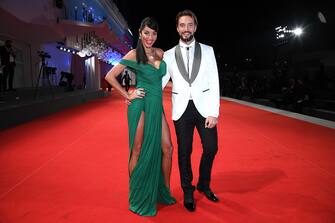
186,12
150,22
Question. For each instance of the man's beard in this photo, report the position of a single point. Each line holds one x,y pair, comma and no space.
188,39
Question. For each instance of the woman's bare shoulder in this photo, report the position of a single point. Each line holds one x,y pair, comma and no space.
131,55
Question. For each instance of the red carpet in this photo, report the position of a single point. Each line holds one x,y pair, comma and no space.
72,167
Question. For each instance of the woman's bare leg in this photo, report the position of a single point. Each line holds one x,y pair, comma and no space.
167,150
136,150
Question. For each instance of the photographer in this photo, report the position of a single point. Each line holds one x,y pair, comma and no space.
126,80
8,63
68,83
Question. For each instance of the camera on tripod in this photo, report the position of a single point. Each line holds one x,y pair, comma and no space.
45,72
43,54
50,70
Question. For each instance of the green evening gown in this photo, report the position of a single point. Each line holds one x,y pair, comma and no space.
146,184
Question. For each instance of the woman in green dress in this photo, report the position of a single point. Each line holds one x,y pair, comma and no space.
149,135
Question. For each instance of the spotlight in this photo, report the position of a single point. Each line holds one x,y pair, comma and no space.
297,31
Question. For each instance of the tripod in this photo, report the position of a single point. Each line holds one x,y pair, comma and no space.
43,73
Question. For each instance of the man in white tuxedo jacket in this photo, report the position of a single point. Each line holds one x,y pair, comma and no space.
195,104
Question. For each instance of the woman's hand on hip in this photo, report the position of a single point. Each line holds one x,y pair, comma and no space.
137,93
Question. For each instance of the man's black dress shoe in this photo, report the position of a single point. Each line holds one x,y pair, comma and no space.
189,203
209,194
190,206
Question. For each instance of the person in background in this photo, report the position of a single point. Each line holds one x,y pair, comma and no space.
8,62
